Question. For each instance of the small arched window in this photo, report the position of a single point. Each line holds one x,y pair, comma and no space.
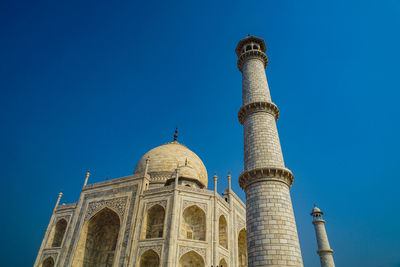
153,224
194,224
49,262
149,259
57,234
61,226
242,248
223,232
222,263
191,259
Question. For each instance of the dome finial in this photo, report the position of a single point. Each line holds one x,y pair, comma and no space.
176,134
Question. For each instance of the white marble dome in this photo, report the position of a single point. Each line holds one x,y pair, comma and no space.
166,158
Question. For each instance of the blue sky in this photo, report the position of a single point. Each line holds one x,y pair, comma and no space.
96,84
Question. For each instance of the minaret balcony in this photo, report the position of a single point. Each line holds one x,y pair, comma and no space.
250,108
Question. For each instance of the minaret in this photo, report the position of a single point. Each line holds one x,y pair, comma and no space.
272,238
324,250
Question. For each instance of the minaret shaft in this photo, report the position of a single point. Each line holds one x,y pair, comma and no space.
324,250
261,142
255,85
272,238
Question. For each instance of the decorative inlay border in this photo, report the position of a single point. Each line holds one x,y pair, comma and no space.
250,108
156,248
118,204
162,203
187,203
185,249
266,174
66,206
192,189
252,53
158,189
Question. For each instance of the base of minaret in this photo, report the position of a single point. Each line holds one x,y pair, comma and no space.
272,234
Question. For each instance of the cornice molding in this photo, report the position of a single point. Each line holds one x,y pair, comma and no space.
252,54
266,174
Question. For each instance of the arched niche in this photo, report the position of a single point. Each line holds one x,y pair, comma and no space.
98,240
48,262
223,232
57,234
194,223
153,223
191,259
222,263
242,248
149,259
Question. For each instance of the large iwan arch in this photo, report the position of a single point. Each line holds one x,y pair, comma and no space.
98,240
194,224
191,259
149,259
153,223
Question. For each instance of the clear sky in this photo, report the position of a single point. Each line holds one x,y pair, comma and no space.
96,84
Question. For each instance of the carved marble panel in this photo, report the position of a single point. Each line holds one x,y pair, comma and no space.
117,204
187,203
162,203
185,249
156,248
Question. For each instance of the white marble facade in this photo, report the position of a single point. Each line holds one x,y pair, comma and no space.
146,220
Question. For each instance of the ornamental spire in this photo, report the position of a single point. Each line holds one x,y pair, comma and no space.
176,134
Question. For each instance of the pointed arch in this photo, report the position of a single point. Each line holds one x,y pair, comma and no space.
57,234
153,223
222,263
149,259
242,248
48,262
98,240
223,232
194,223
191,259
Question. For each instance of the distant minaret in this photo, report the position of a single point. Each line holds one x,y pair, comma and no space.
324,250
272,238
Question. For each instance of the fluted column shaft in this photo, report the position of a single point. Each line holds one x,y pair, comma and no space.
272,238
